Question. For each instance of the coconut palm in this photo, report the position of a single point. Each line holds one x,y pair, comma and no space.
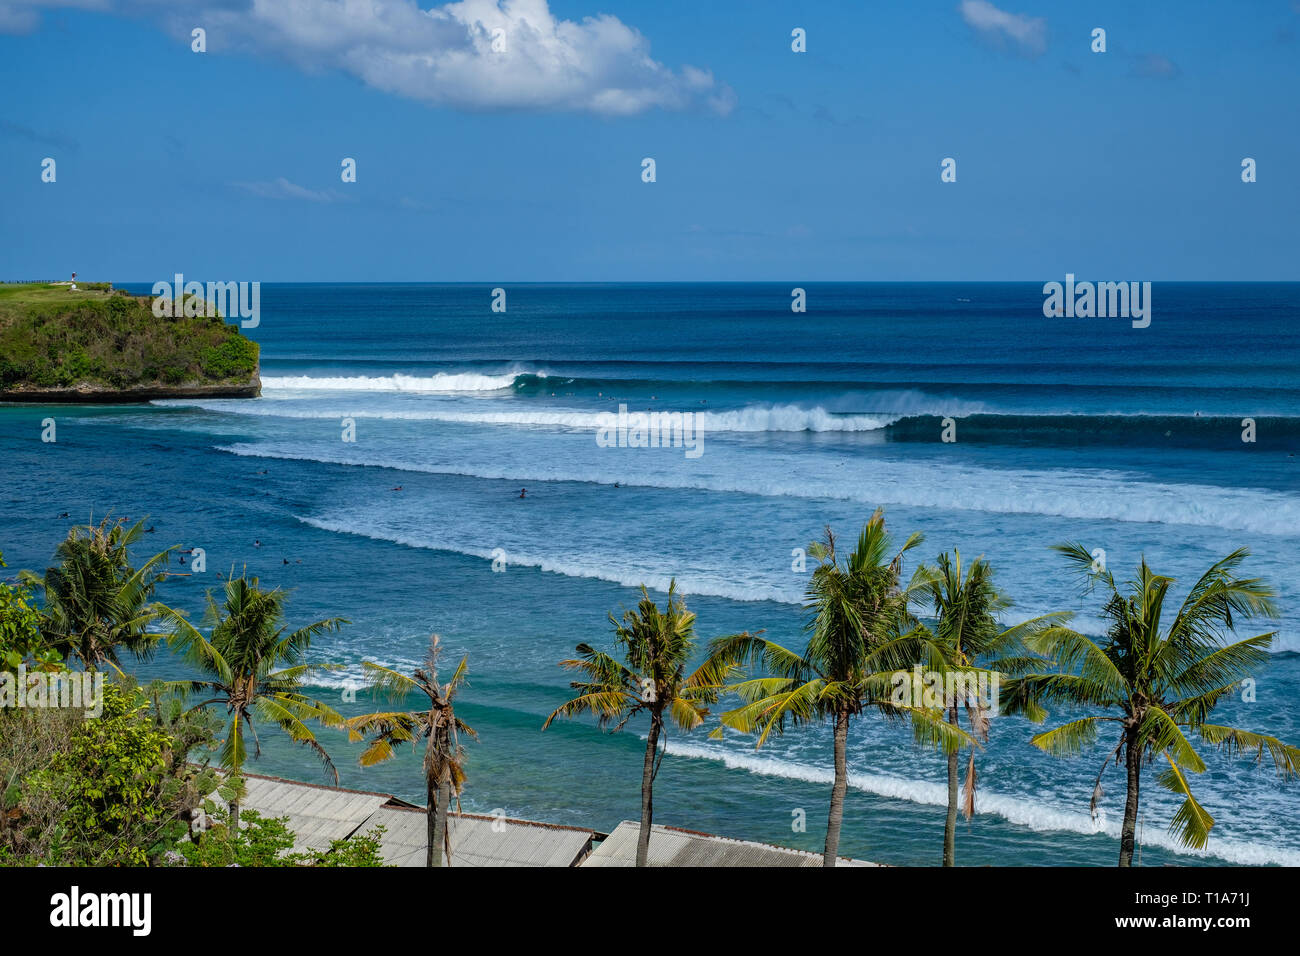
97,604
966,611
1155,679
861,635
438,726
656,647
254,669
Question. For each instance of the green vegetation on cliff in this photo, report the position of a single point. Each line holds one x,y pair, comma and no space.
52,337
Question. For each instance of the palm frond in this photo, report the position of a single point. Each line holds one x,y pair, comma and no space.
1192,822
1160,733
1232,741
1070,738
771,714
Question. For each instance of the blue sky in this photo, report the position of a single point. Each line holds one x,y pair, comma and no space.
822,165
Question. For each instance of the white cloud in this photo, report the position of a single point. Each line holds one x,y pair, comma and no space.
281,188
444,55
1153,64
14,19
1027,34
23,16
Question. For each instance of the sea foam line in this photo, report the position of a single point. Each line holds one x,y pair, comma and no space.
438,382
599,569
1095,496
770,418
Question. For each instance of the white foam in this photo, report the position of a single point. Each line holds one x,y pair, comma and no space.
1089,495
438,382
597,567
754,418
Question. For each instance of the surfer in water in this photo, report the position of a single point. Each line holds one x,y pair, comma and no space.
523,492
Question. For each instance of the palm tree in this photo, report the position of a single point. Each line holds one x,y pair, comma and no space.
255,670
96,604
861,634
656,647
444,758
1154,681
966,609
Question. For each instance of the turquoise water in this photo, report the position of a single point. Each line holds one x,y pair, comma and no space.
1127,439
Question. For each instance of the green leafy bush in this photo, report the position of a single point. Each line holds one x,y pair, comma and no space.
263,841
363,850
20,631
109,782
108,791
258,842
52,337
236,357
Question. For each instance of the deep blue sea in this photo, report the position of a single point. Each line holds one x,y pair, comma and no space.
1087,429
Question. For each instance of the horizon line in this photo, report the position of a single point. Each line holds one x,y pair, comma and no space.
777,282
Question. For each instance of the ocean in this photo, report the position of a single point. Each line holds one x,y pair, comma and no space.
1126,439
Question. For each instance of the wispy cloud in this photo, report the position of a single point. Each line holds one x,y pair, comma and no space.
281,188
1153,64
1026,35
17,17
41,137
470,54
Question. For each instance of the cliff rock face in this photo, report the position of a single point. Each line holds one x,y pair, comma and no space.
96,346
87,394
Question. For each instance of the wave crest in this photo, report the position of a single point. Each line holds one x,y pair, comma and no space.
753,419
410,384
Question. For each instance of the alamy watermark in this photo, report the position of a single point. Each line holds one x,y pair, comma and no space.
74,690
75,909
651,430
943,690
242,300
1102,300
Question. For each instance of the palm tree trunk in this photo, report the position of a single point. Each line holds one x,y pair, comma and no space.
439,836
234,816
1133,762
950,825
431,825
838,789
647,793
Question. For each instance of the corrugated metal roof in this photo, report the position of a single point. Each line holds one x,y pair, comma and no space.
317,815
670,846
480,841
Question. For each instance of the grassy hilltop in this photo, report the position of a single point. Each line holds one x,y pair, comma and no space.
97,344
